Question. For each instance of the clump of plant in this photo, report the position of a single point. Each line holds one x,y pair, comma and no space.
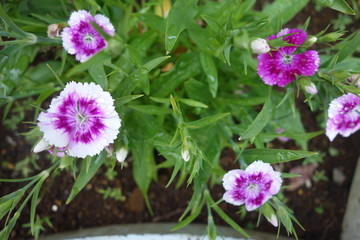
180,78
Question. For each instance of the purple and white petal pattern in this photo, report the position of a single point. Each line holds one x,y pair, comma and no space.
344,116
281,66
252,186
81,38
82,119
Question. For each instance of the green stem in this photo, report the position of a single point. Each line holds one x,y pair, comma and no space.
48,40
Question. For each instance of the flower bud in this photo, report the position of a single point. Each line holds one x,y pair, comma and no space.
311,89
356,79
273,220
185,155
309,41
260,46
331,37
308,86
41,146
54,30
121,154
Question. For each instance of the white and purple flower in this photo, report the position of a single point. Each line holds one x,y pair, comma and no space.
252,186
281,67
344,116
81,38
82,119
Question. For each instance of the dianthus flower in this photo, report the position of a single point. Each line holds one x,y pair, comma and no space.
82,119
81,38
280,66
344,116
252,186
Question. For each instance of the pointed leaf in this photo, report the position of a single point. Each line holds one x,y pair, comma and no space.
274,155
209,67
206,121
84,177
260,121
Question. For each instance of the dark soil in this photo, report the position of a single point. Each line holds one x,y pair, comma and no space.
319,208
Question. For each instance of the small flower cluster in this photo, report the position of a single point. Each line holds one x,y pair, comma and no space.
281,66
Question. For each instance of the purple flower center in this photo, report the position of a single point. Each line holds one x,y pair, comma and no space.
287,59
86,39
80,117
252,186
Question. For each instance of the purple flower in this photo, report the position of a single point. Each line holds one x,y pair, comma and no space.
82,119
280,67
344,116
81,38
252,186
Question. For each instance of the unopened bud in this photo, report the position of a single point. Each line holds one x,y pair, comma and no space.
308,86
309,41
331,37
41,146
54,30
260,46
311,89
121,154
185,155
273,220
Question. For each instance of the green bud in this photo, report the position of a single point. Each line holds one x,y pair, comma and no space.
331,37
310,40
307,86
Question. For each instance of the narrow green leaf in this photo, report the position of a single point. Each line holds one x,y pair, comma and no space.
338,5
56,76
209,67
97,72
145,84
151,109
283,11
212,23
192,103
294,135
98,59
84,177
134,56
180,16
289,175
10,23
144,168
228,220
187,66
206,121
189,219
7,52
260,121
123,100
44,95
176,169
160,100
155,62
274,155
34,202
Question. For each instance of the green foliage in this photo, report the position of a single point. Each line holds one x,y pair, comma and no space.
185,86
114,193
